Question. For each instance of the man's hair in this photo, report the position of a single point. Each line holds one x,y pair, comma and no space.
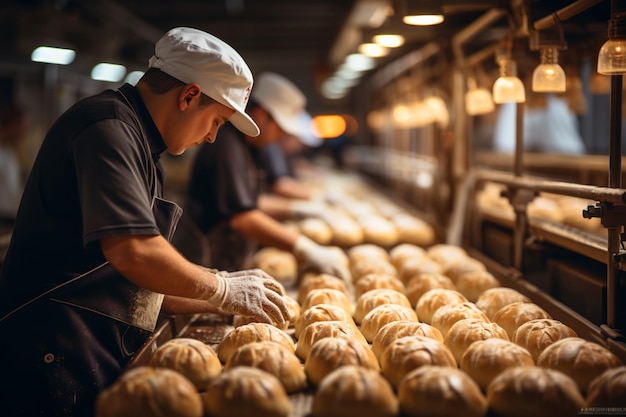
160,83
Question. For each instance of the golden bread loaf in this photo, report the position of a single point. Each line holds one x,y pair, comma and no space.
383,314
419,284
433,299
493,299
511,316
374,298
253,332
447,315
608,389
401,328
536,335
322,329
321,312
467,331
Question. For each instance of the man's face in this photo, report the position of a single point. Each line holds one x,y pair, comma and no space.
270,131
198,124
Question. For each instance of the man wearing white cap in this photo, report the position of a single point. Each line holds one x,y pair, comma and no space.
90,266
224,198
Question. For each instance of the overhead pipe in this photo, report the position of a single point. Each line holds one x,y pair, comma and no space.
565,13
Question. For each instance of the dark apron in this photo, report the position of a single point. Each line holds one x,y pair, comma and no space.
229,250
100,320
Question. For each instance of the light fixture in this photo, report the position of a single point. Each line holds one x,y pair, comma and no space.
133,77
612,55
508,87
52,55
422,13
108,72
373,50
478,100
438,110
388,40
549,76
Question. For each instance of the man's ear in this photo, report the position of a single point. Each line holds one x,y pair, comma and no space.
188,93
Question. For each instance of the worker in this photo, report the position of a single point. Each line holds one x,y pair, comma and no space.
224,199
90,267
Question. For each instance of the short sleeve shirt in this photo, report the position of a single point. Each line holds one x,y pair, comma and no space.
95,176
273,163
223,180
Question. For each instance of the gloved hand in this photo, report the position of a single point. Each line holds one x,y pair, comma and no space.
325,259
251,293
302,209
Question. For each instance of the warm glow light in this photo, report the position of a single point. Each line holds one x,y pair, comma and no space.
375,119
108,72
508,88
373,50
329,126
51,55
438,110
479,101
612,57
389,40
359,62
401,115
423,19
549,77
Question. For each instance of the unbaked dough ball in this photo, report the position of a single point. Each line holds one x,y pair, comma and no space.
440,391
578,358
147,391
192,358
246,391
353,390
330,353
273,358
410,352
533,391
536,335
383,314
486,359
401,328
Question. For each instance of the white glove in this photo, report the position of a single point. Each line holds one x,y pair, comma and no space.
302,209
325,259
251,293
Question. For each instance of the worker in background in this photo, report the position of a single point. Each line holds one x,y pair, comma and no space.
13,123
224,195
549,126
90,267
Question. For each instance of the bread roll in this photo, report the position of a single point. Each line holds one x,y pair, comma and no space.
416,266
279,263
353,390
463,265
545,208
578,358
371,266
413,230
330,353
246,391
374,298
485,359
321,312
197,361
446,254
327,296
419,284
536,335
322,329
434,299
378,230
399,254
533,391
608,389
146,391
317,230
467,331
376,281
401,328
273,358
252,332
312,281
447,315
440,391
410,352
367,251
346,232
511,316
473,284
383,314
493,299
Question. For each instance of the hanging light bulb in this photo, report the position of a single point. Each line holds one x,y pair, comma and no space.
612,55
549,75
478,100
508,87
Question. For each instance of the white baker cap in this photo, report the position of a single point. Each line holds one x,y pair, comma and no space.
282,99
193,56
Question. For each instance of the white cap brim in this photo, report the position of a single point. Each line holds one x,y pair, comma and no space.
245,124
